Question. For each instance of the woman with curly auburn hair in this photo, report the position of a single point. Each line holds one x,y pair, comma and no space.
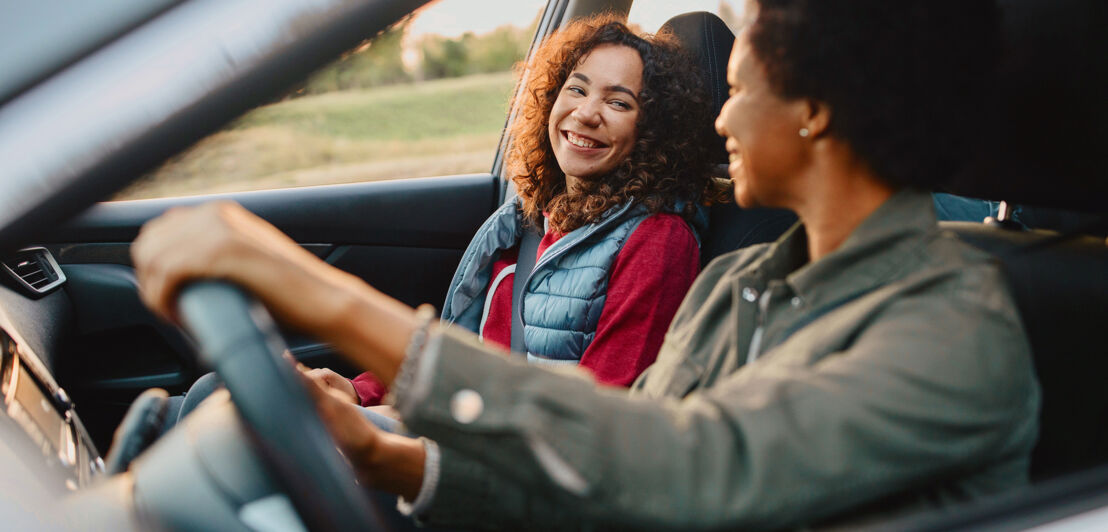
610,155
669,159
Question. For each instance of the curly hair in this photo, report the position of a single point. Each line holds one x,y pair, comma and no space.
905,80
670,159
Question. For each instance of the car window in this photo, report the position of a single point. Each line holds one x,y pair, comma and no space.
649,15
428,97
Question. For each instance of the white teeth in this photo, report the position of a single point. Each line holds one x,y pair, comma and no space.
734,158
580,141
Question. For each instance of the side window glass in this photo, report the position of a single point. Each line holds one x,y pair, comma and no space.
428,97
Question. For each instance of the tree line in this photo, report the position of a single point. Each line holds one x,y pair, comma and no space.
380,61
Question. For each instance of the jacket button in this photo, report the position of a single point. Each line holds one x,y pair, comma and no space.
466,406
750,294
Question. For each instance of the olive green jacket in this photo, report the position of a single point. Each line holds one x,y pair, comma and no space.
892,374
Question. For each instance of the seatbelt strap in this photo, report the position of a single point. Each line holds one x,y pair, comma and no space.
528,249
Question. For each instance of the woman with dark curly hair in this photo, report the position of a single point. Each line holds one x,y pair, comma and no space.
867,363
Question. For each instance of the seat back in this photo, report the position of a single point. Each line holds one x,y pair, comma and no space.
730,227
1061,290
1044,147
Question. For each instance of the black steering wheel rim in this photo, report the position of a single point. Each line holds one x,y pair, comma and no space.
237,338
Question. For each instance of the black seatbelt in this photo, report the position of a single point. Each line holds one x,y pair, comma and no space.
528,249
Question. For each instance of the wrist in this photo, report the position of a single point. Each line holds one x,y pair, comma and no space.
355,397
395,464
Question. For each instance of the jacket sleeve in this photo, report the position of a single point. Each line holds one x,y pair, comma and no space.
770,446
471,494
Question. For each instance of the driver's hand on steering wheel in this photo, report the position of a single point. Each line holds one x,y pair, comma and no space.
223,240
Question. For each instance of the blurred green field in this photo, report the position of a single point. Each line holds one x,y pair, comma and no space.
440,127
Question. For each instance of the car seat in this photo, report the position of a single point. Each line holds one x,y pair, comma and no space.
1045,147
730,227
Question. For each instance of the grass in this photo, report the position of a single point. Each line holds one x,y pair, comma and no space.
439,127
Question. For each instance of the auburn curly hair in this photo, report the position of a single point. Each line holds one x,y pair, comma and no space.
670,159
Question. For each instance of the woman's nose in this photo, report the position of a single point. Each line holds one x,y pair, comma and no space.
721,128
588,112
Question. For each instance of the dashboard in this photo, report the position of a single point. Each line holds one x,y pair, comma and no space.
31,398
46,414
52,474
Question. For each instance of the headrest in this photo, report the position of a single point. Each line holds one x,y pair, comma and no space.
1046,141
708,39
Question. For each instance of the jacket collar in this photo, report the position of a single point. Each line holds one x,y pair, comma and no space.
571,239
881,248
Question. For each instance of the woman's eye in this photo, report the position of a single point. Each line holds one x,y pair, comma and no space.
621,105
575,89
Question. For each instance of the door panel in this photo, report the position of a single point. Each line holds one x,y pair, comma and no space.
117,344
404,237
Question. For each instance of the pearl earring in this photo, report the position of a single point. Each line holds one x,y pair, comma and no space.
804,132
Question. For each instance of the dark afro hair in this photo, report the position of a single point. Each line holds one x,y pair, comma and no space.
904,79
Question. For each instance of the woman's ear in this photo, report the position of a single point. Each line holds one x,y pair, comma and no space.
817,119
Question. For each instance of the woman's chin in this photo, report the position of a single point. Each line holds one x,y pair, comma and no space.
743,196
749,195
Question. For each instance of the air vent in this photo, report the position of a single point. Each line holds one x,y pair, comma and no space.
33,271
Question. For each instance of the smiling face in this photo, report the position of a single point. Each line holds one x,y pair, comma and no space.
762,133
592,122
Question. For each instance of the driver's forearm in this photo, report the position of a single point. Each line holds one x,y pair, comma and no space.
371,329
395,465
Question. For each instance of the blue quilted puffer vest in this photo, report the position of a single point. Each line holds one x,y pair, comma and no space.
565,292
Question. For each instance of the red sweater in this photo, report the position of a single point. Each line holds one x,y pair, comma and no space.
649,278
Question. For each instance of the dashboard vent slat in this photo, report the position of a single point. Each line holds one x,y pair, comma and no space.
33,271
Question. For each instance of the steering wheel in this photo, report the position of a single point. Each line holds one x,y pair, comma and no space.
238,338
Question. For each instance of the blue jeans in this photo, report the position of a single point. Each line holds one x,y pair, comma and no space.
384,423
951,208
